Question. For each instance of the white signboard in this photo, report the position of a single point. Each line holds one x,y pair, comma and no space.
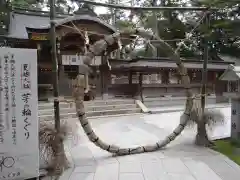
71,60
19,152
78,60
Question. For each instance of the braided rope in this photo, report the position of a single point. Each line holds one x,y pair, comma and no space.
78,94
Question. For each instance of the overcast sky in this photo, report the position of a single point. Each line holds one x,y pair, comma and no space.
103,10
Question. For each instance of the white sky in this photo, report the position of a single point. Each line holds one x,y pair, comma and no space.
104,10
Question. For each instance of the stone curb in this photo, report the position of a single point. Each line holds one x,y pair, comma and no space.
177,109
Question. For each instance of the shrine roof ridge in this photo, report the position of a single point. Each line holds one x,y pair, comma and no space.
76,18
21,22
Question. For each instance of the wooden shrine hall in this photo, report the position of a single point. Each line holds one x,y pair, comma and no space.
114,77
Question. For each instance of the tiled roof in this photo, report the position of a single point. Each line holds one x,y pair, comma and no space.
232,73
19,22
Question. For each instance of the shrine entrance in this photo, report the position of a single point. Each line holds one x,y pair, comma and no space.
74,36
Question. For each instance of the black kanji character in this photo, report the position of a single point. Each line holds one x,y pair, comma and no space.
25,97
26,72
26,85
25,67
26,111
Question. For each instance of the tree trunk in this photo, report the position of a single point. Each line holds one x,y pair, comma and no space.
202,137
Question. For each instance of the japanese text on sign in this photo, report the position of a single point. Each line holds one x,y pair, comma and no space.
18,114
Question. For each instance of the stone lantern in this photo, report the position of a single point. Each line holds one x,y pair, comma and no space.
232,76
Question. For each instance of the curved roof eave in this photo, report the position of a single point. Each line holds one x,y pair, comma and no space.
77,18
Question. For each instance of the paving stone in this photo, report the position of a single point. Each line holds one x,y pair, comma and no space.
180,160
69,156
81,151
82,156
130,167
151,156
216,164
129,159
235,166
85,162
154,170
82,176
172,176
131,176
105,160
67,174
107,172
200,170
85,169
174,165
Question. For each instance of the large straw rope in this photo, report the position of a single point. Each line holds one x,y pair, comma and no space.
98,48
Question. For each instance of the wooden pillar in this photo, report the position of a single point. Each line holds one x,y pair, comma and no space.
105,77
130,77
86,80
59,56
140,86
165,76
190,74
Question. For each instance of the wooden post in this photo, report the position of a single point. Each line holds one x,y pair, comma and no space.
55,65
205,70
130,78
86,82
140,86
105,75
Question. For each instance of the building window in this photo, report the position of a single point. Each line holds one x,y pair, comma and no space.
146,79
135,78
119,79
152,79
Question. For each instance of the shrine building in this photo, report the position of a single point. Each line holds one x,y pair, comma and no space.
115,77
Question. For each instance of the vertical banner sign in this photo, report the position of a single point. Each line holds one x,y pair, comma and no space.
235,125
19,146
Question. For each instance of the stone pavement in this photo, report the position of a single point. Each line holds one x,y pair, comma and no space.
181,160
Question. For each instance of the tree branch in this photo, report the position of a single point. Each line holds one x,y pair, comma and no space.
147,8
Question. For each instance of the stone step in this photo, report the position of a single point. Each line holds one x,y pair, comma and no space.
93,113
44,105
97,117
87,108
48,105
109,102
161,102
